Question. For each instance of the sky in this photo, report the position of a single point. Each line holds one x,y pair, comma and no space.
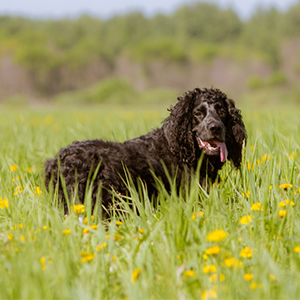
108,8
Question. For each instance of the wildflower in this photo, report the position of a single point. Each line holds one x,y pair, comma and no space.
217,236
66,231
285,186
135,274
113,257
286,202
119,223
10,236
282,213
13,168
42,260
248,165
272,277
214,277
270,187
246,253
213,250
229,262
86,220
44,227
79,209
251,147
140,230
44,267
297,249
87,257
189,273
193,217
253,286
248,277
99,247
38,190
209,294
256,206
94,226
85,230
22,238
209,269
3,203
246,219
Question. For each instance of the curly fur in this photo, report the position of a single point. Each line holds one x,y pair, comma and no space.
173,147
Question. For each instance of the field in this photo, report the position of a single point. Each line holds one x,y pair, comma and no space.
240,241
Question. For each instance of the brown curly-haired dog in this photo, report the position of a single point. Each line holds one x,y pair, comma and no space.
202,121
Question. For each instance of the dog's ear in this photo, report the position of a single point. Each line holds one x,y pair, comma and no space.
179,127
236,134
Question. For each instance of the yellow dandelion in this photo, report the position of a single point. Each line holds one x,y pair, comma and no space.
253,286
257,206
22,238
85,230
67,231
213,250
119,223
231,261
285,186
272,277
217,236
88,258
42,260
44,267
282,213
10,236
209,294
270,187
297,249
38,190
248,277
100,247
13,168
248,165
141,230
79,209
189,273
246,253
193,217
44,227
245,220
251,147
94,226
135,274
3,203
286,202
209,269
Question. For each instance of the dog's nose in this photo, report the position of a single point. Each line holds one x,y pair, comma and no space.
216,127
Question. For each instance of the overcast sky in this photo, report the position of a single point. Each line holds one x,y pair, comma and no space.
107,8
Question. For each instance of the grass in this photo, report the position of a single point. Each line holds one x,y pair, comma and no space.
194,246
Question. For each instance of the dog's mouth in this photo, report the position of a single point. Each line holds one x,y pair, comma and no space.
214,147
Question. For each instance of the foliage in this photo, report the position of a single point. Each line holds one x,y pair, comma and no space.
240,241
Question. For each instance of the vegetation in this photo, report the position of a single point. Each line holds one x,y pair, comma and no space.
240,241
52,51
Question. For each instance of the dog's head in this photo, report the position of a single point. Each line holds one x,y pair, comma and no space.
207,119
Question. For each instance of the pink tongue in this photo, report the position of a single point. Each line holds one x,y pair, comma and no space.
223,150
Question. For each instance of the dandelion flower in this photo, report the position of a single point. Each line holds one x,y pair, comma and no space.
246,253
88,258
257,206
245,220
253,286
213,250
286,202
135,274
189,273
141,230
79,209
3,203
10,236
209,269
99,247
231,261
94,226
217,236
85,230
42,260
66,231
119,223
209,294
272,277
285,186
13,168
282,213
297,249
248,277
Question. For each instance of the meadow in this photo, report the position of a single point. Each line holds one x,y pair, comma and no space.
240,241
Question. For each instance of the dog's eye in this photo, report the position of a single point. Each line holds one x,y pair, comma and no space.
198,113
222,112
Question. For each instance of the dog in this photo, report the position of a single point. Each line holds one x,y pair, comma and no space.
204,124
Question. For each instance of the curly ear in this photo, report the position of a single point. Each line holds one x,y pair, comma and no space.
236,134
178,127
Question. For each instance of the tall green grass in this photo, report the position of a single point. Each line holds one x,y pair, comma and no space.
164,253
